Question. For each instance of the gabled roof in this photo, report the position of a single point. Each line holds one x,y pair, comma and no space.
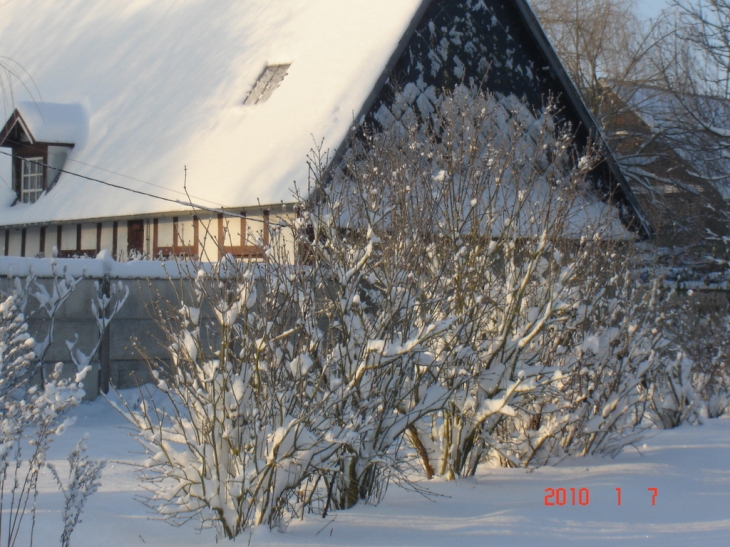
164,82
678,182
50,123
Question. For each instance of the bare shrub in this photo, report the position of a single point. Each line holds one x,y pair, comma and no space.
33,405
697,385
30,417
459,297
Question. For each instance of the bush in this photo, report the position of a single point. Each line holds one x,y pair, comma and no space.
33,405
459,297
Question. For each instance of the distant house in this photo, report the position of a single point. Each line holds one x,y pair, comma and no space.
142,127
683,190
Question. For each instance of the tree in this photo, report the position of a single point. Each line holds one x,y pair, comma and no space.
665,132
32,413
694,63
598,40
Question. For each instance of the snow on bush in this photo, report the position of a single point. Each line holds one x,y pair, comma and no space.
33,404
697,384
458,297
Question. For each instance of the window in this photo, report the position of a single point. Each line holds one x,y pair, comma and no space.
266,84
31,179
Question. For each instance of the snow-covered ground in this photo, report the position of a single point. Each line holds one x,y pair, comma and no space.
689,467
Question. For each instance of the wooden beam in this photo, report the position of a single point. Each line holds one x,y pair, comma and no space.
115,235
196,235
43,241
154,238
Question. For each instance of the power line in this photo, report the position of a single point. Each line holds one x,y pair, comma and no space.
147,194
41,150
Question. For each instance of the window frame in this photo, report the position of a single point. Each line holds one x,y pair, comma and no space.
37,174
29,152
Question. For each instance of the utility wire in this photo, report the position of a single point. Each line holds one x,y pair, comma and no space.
40,150
147,194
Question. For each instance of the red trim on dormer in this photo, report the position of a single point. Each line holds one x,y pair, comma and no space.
32,149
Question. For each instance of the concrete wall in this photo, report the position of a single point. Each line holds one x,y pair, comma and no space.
134,336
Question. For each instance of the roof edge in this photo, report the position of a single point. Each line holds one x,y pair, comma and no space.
382,80
277,208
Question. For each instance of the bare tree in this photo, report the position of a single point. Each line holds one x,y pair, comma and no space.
694,63
598,40
657,105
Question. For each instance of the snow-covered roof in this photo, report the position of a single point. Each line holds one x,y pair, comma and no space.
54,122
160,84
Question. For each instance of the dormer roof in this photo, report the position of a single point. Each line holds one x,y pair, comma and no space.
48,123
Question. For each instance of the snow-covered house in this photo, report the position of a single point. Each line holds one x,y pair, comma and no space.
119,116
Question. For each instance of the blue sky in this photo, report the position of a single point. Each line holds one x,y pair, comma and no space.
650,8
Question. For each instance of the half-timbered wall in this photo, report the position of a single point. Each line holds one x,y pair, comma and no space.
203,236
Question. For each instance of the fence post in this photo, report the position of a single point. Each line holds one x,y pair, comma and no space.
104,347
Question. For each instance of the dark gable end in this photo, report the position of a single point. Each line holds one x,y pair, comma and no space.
499,44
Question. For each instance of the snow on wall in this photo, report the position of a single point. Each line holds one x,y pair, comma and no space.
163,83
95,268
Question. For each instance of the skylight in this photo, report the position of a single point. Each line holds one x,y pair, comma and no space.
269,80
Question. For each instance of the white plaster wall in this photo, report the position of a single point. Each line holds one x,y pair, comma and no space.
285,238
15,243
164,232
68,238
231,231
33,241
254,227
51,239
207,237
122,241
88,236
185,231
107,236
